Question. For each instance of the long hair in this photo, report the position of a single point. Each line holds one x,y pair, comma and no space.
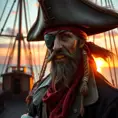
98,51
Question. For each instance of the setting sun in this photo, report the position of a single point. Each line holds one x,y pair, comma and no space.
100,63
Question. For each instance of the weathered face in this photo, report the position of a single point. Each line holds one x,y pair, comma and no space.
63,54
60,42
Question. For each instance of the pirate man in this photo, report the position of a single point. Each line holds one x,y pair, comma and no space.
73,89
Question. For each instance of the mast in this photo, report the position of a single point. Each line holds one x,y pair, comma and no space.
19,35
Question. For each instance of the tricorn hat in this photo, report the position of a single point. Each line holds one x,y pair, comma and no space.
83,14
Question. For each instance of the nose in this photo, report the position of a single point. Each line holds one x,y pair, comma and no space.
57,44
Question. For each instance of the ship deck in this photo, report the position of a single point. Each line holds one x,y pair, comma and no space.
14,108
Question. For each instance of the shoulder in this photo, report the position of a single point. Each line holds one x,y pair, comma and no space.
44,82
41,90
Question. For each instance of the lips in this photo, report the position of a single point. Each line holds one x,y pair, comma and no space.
59,57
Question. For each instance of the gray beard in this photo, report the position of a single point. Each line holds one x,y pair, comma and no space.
62,73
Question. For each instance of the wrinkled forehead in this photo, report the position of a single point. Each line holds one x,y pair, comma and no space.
56,30
74,30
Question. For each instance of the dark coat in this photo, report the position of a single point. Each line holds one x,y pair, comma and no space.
106,105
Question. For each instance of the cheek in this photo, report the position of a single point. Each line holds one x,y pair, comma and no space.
73,46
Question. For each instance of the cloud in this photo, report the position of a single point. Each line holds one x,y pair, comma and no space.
3,45
2,59
11,31
14,12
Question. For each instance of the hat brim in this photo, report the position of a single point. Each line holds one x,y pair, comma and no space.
85,15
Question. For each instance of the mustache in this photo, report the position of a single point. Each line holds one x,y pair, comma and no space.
60,52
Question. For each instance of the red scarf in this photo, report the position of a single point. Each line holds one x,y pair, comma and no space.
60,102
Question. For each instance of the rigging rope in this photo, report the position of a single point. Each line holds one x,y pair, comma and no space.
34,58
29,46
10,44
28,13
7,17
6,58
101,3
10,56
110,4
110,39
13,48
106,3
43,69
26,51
4,10
112,33
108,61
26,23
30,54
109,65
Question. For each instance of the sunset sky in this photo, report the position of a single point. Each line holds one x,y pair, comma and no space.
38,48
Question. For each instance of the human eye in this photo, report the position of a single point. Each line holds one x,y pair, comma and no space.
65,36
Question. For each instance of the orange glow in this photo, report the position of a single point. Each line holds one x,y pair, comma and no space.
100,63
25,69
31,83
